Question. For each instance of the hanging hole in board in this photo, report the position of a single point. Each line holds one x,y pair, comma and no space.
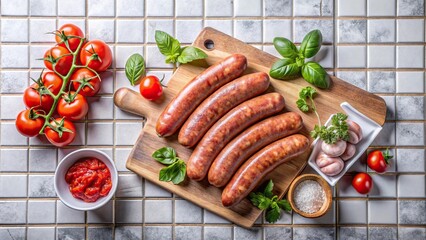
209,44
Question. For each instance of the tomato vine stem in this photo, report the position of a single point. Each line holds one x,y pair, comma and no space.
65,80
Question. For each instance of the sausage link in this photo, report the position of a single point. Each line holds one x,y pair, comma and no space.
259,165
219,103
230,125
249,142
199,88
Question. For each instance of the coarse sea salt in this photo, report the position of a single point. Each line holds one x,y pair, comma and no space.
309,196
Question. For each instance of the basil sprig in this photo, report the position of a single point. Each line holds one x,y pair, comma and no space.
293,64
174,53
176,169
135,68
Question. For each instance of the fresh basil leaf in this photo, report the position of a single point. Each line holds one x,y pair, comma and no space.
168,46
268,189
190,54
284,204
135,68
285,69
273,214
285,47
165,155
314,74
311,43
172,58
181,173
175,172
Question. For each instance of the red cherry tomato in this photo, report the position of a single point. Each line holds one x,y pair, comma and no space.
378,161
51,81
61,57
66,32
62,125
151,88
97,55
85,75
73,109
362,182
28,123
32,99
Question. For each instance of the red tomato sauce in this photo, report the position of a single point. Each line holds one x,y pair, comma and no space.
89,179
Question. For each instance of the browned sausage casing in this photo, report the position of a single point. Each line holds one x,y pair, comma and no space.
219,103
228,127
249,142
259,165
199,88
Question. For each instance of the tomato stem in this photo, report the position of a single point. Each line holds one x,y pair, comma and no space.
65,80
161,81
387,156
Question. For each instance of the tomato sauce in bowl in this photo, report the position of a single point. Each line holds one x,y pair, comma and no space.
89,179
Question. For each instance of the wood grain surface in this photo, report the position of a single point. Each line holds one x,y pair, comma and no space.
201,193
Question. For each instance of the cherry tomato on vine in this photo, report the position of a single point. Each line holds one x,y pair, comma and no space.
67,33
32,99
28,123
97,55
378,160
91,83
61,57
52,81
61,133
362,182
151,88
73,107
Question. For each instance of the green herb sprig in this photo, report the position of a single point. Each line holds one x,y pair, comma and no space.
302,103
337,130
135,68
266,200
174,53
293,64
176,169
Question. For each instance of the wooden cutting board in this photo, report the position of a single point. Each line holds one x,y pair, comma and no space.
201,193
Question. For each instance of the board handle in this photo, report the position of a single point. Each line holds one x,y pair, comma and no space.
130,101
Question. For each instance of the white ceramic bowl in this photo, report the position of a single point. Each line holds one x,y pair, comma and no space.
62,187
370,129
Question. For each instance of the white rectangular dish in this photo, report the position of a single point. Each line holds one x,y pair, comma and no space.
370,129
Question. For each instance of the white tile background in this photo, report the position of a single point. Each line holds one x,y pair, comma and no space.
377,45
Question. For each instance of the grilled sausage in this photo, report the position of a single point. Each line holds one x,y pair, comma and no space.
199,88
228,127
219,103
334,150
249,142
254,169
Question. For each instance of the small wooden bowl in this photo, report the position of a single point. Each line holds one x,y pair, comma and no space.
328,196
